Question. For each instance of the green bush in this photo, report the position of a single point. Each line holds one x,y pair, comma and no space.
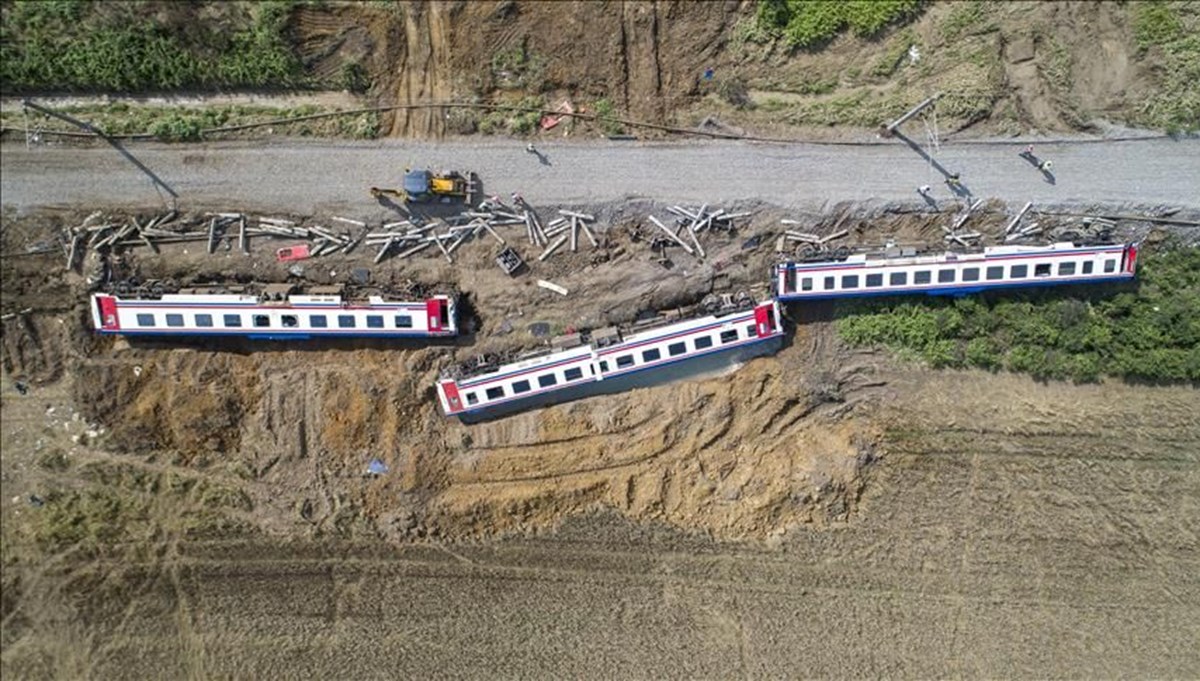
605,110
120,47
1152,333
1155,23
812,23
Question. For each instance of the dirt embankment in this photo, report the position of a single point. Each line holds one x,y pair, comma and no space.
294,427
1003,67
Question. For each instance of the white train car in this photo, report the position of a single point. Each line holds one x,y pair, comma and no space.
279,312
609,361
997,267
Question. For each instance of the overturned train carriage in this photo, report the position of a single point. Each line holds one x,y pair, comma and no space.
899,272
281,312
611,360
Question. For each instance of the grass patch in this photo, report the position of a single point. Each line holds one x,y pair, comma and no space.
1174,29
964,16
1152,333
813,23
74,45
518,68
176,124
505,122
1155,23
605,109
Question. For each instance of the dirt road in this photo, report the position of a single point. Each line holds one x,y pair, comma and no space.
313,177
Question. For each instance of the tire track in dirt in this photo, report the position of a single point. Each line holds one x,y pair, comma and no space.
423,70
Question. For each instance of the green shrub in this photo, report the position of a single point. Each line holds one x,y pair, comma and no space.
605,110
1155,23
812,23
1152,333
115,47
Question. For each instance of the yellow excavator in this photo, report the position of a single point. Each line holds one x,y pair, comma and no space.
425,186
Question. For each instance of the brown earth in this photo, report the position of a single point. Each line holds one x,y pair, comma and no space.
1016,67
175,509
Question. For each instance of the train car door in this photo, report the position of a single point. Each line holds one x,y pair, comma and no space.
1131,254
435,311
764,319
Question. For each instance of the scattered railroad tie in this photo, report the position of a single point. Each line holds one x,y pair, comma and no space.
809,245
688,226
550,286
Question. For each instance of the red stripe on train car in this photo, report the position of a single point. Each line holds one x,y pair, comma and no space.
109,320
450,389
433,308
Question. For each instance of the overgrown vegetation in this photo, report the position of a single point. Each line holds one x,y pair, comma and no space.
1151,332
507,122
78,45
175,124
605,110
518,68
1173,28
813,23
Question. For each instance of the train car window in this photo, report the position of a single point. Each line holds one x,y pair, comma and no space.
624,361
676,349
374,321
945,276
145,320
789,281
970,274
261,320
897,278
995,272
233,320
1110,266
703,342
850,281
1018,271
546,380
1066,269
290,321
922,277
1042,270
1088,267
806,284
874,280
174,320
495,393
603,367
830,283
204,320
318,321
573,374
472,398
403,321
521,387
346,321
729,336
651,355
751,331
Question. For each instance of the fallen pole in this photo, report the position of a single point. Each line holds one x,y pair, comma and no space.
672,235
915,110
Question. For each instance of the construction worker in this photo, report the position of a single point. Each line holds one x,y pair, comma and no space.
530,148
1028,151
924,190
1045,166
953,180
